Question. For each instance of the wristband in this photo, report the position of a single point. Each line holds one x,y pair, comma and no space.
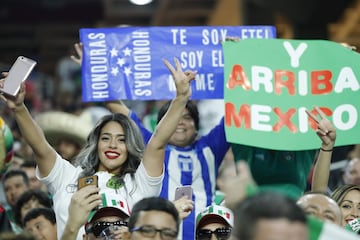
324,150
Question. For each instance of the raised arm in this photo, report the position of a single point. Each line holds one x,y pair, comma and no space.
327,133
155,149
45,155
117,107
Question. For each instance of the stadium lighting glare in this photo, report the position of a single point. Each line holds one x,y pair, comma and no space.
140,2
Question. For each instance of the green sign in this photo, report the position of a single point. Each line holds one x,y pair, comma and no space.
268,84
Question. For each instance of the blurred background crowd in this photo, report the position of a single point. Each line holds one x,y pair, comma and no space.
47,30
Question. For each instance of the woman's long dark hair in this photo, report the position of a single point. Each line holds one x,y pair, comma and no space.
88,157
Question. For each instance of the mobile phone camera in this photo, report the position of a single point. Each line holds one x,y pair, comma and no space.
89,181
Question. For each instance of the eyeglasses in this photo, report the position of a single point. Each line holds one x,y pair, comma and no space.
220,233
150,232
98,227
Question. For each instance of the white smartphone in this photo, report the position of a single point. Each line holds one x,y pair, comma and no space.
183,191
18,73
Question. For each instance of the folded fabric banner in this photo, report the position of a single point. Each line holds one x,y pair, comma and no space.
126,62
328,231
354,226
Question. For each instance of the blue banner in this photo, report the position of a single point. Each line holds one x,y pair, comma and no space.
126,62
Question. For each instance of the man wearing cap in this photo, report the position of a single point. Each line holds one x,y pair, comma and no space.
215,220
106,222
110,219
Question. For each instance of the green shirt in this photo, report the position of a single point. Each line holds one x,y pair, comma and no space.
283,171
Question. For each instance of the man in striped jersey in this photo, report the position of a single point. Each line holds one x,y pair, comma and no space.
190,159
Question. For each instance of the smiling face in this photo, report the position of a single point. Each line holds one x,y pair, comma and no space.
185,132
112,149
321,206
350,206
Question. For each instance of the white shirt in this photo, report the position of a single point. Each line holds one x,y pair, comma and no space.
62,183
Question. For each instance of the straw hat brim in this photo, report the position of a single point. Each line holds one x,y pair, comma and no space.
58,125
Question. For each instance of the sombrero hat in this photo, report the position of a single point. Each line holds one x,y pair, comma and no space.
58,125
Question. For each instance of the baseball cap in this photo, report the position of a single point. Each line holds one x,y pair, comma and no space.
112,205
213,212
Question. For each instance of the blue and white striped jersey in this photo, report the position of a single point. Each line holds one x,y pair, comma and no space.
196,165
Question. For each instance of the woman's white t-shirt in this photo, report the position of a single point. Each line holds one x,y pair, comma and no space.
62,183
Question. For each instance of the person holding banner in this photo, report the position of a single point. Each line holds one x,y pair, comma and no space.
288,171
114,152
249,203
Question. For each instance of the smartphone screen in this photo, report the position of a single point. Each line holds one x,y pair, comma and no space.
18,73
183,191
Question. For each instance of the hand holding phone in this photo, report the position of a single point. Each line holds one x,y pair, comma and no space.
183,191
18,73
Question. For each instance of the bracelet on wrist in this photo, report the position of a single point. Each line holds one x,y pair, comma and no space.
326,150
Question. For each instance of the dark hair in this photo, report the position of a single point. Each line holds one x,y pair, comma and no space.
42,197
339,193
16,172
190,106
48,213
150,204
28,164
264,205
88,157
